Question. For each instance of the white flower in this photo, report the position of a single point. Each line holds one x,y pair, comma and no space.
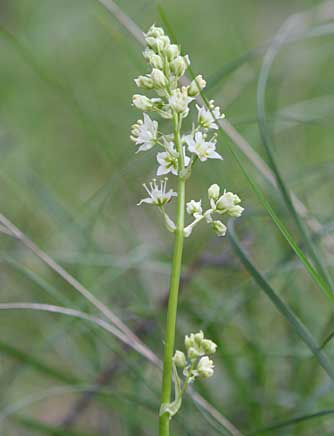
179,101
157,194
145,133
205,367
154,59
158,78
202,148
207,118
142,102
144,82
213,192
179,359
219,228
155,31
168,160
194,208
228,203
196,86
179,65
209,346
172,52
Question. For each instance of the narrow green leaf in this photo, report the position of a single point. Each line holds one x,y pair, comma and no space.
46,429
292,421
280,305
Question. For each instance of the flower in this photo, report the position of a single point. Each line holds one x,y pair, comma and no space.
144,82
196,86
172,52
168,160
219,228
142,102
228,203
213,192
179,65
158,78
157,194
194,208
202,148
209,346
179,359
205,367
179,101
207,117
145,133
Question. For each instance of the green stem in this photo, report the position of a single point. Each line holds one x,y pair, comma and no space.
174,286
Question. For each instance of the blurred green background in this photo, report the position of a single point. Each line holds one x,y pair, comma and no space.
70,179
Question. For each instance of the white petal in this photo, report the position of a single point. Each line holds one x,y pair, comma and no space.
145,200
163,170
215,155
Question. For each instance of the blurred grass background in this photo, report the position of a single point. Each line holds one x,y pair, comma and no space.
70,180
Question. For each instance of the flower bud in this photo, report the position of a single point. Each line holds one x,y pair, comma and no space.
194,208
219,228
142,102
213,192
144,82
155,31
194,352
227,200
172,52
179,359
198,338
158,78
209,347
156,62
235,211
196,86
205,367
188,341
178,66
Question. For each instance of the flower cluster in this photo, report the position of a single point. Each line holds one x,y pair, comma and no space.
177,153
196,363
227,203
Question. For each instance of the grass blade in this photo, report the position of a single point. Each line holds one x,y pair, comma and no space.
280,305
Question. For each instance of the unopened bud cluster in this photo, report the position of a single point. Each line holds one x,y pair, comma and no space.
195,362
172,101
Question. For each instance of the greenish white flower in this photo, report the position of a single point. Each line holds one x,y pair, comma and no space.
207,117
145,133
168,160
179,101
142,102
144,82
196,86
158,195
172,52
198,145
205,367
158,78
229,203
219,228
213,192
178,66
194,208
209,346
179,359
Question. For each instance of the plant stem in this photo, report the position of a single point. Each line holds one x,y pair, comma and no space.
174,286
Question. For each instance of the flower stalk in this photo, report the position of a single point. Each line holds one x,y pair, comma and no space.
173,289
